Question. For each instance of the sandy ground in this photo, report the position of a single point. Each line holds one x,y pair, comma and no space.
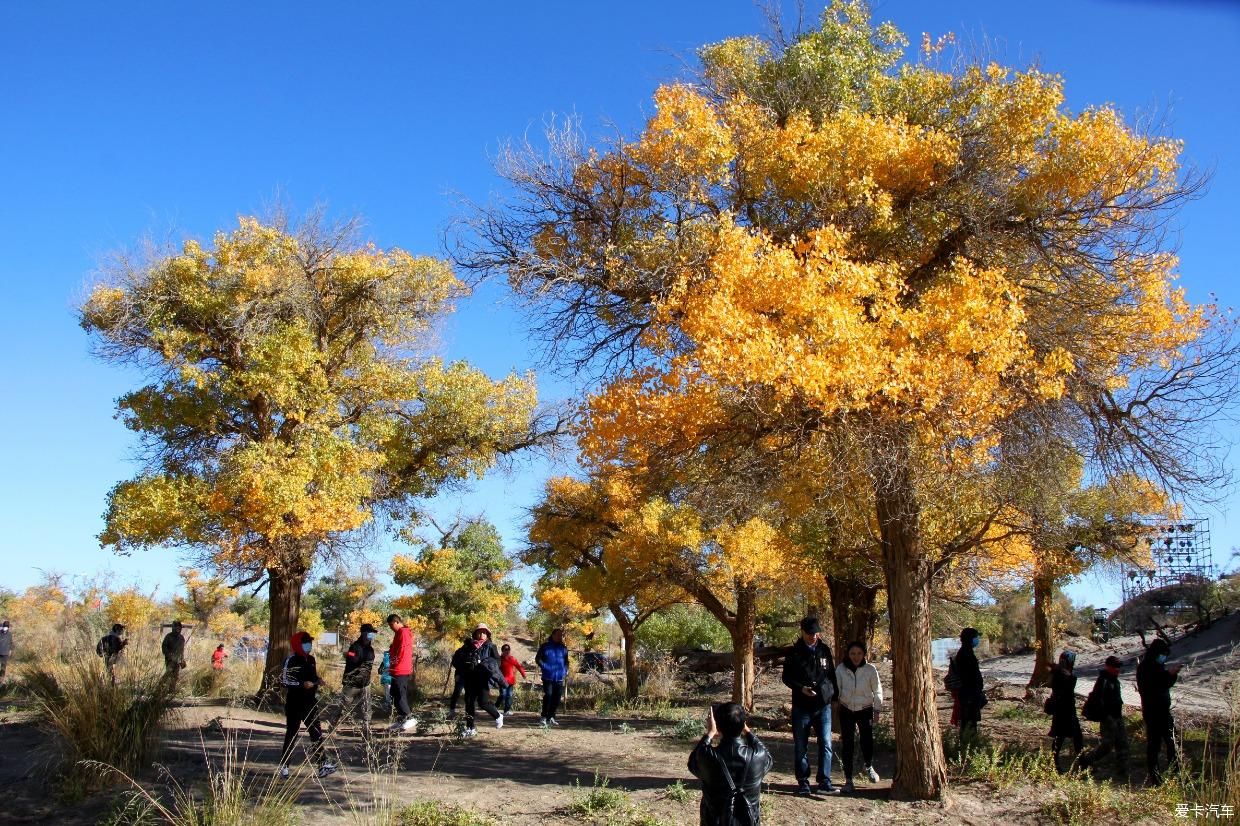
1210,676
523,775
519,775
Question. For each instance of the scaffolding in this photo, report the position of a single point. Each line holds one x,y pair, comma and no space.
1179,554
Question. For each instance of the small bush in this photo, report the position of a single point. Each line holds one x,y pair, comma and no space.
678,792
432,813
1022,712
686,728
114,725
599,799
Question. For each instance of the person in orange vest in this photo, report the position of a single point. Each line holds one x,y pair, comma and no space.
217,657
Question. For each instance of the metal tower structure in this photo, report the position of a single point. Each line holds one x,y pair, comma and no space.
1180,554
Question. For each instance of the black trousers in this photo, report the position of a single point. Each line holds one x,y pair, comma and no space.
1159,730
850,723
296,712
478,695
458,688
400,694
553,692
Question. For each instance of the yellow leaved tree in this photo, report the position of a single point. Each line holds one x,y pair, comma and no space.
577,534
825,237
293,399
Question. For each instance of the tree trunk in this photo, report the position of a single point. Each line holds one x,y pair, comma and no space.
742,631
1043,633
852,611
628,633
284,592
921,771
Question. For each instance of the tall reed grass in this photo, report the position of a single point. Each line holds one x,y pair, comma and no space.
95,721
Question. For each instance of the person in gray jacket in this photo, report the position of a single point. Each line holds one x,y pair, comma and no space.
861,699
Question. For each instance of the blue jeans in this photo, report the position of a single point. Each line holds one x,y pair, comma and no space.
505,699
803,722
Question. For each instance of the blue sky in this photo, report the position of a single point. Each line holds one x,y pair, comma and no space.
135,119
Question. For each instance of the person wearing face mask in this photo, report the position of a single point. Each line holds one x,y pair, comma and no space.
1065,725
359,664
6,647
1154,681
1108,701
971,693
300,678
483,673
861,699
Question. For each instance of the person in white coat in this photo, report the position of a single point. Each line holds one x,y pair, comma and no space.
861,699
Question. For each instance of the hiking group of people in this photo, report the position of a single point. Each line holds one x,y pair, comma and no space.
731,761
478,667
1105,706
112,645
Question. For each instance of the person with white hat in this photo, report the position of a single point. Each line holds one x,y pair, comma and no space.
482,671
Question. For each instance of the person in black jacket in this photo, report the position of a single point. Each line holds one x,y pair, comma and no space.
732,771
458,673
6,646
971,693
1154,681
809,670
482,672
1065,725
1114,736
110,647
359,666
300,678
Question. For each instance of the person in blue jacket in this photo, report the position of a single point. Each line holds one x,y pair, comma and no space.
385,679
552,662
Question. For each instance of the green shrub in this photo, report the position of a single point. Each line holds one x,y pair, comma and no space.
432,813
683,626
678,792
686,728
599,799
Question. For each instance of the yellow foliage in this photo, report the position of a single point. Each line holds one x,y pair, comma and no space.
311,621
131,608
226,627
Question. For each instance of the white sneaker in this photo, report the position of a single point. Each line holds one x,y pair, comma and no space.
870,773
284,772
410,724
327,768
499,721
553,721
542,722
470,732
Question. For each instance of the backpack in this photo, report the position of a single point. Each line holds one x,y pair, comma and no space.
952,681
471,660
1091,709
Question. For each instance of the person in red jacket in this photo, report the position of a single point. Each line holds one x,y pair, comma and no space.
401,654
218,657
509,667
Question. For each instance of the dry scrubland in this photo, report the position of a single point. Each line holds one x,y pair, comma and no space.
75,752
